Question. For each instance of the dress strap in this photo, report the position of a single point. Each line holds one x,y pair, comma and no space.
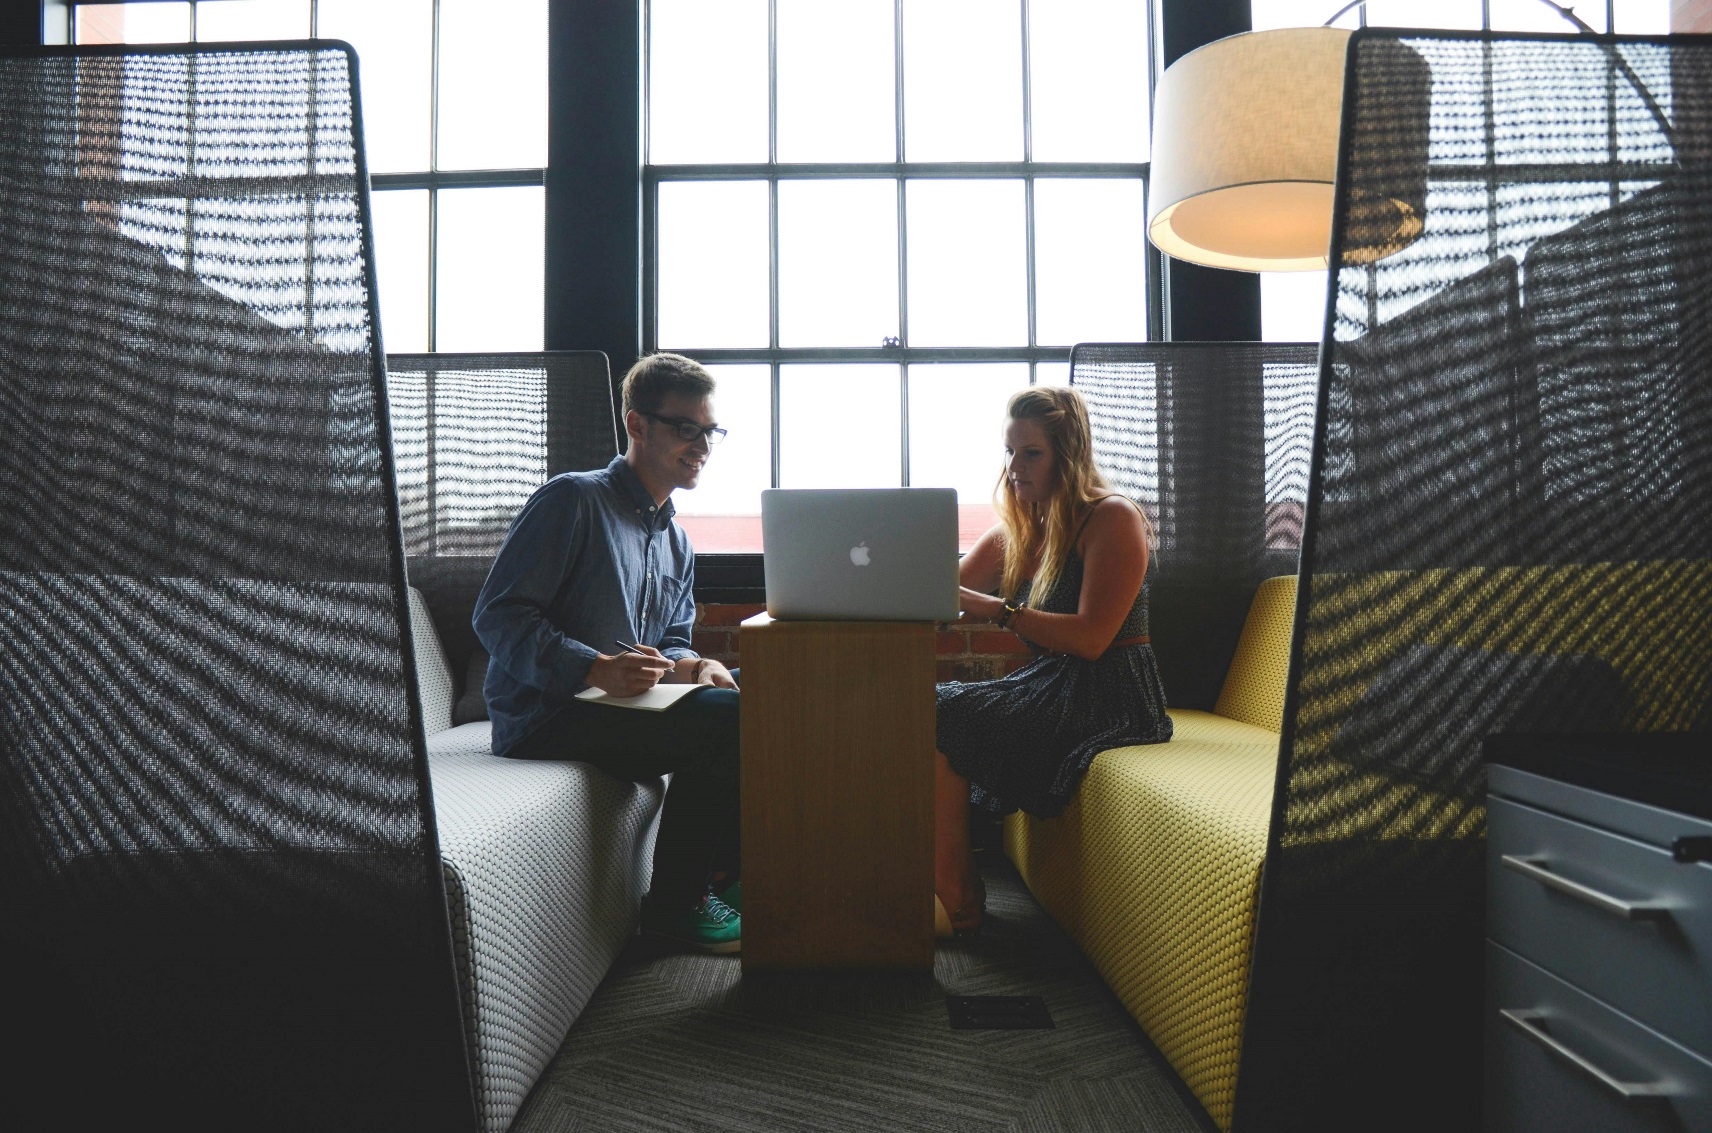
1096,504
1086,519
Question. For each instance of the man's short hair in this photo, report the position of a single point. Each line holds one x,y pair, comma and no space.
658,376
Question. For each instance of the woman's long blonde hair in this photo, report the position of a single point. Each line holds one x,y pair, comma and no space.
1078,485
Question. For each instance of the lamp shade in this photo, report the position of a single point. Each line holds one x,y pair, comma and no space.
1245,150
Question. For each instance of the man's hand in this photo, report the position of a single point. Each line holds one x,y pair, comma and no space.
628,674
715,674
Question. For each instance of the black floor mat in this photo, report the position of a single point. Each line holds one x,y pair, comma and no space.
998,1012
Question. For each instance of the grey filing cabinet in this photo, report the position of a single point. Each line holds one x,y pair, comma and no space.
1598,1012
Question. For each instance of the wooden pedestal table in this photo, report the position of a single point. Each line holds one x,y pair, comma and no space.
838,744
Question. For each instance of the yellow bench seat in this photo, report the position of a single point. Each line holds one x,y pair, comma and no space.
1154,867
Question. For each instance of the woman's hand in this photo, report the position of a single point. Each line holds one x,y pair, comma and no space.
978,606
628,674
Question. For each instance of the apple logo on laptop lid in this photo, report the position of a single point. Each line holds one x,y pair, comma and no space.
859,553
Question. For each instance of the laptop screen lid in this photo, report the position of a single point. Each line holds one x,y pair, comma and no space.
860,554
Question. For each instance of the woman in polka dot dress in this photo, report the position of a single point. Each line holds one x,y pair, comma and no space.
1065,570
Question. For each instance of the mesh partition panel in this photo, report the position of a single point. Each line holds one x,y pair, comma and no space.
1510,528
473,436
1213,438
216,841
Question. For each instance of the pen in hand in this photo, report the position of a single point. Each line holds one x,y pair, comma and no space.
637,649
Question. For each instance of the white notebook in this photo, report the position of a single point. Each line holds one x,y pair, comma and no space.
656,699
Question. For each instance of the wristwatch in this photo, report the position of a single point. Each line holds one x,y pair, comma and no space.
1010,612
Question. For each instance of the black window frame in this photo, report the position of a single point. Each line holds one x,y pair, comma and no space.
737,577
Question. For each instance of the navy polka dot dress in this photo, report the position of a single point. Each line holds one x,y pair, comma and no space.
1025,741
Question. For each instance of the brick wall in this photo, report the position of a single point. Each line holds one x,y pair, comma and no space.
966,653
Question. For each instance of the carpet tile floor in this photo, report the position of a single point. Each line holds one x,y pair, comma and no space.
680,1043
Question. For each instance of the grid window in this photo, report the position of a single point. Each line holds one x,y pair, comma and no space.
968,263
713,282
838,263
395,49
837,74
1090,252
1085,104
962,80
719,505
252,19
838,425
489,235
492,99
455,129
401,245
898,211
966,404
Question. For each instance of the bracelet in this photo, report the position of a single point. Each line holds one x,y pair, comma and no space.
695,677
1010,612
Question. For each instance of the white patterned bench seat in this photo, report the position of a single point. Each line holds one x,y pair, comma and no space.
546,863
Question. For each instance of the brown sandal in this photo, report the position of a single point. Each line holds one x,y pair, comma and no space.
945,926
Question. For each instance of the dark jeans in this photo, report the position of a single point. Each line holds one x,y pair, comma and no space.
695,741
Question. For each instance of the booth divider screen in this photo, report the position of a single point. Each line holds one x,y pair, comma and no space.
1509,529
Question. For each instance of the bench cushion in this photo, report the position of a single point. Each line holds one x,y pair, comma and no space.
546,863
1154,870
433,676
1259,672
545,866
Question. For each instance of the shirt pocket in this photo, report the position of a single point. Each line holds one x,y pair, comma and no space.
670,593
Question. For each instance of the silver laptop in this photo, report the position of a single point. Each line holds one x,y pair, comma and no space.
860,554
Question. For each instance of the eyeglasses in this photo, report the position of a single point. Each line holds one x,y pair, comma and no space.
688,430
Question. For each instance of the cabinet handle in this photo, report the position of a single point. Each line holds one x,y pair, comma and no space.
1628,910
1692,848
1528,1022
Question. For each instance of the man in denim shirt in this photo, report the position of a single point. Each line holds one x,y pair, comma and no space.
594,560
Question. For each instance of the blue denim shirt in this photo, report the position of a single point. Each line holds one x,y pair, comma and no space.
589,561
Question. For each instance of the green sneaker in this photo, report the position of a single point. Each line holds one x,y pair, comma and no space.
732,898
712,926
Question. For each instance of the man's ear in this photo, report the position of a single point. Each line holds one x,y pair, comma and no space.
634,425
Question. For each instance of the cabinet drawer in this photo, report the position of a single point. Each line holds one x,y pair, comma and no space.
1558,1061
1652,962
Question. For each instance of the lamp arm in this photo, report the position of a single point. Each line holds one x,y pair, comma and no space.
1581,25
1569,14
